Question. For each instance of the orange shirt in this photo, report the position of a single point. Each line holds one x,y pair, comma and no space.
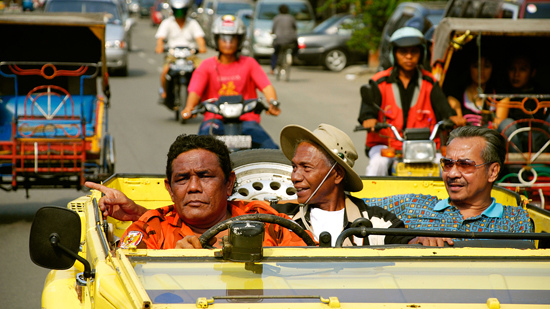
161,228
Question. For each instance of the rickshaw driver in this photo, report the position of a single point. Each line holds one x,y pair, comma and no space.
231,74
178,30
406,95
199,180
471,167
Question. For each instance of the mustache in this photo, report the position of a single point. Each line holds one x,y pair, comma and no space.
455,182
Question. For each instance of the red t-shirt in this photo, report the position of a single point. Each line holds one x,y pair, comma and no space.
213,79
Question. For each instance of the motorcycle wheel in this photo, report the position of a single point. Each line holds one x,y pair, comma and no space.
262,173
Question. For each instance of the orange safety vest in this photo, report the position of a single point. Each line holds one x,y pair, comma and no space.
421,114
161,228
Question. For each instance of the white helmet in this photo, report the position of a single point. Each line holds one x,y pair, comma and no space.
180,7
228,25
407,37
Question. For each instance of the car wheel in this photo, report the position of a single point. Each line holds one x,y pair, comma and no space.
335,60
262,173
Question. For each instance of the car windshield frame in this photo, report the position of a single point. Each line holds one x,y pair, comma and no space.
268,11
326,24
231,8
83,6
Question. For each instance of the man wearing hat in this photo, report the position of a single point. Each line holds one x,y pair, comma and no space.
322,173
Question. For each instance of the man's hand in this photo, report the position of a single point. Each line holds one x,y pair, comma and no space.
116,204
159,49
431,241
369,124
273,110
192,242
186,113
459,121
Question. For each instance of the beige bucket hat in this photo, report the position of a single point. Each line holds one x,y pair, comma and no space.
333,140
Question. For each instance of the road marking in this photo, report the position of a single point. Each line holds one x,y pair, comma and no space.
142,54
151,61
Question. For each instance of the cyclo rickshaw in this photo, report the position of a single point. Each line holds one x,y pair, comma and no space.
527,168
491,273
53,118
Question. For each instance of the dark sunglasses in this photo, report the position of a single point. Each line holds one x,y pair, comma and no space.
463,165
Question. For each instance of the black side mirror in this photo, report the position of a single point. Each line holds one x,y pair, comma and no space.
54,231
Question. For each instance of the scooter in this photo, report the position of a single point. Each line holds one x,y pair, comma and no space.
231,108
177,79
419,150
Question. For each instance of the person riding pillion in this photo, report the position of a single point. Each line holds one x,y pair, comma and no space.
178,31
231,74
405,96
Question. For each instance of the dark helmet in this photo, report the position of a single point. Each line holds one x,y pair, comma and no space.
407,37
180,7
228,25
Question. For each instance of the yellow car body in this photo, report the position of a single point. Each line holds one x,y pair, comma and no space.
390,276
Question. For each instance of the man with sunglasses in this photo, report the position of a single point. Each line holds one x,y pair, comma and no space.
472,164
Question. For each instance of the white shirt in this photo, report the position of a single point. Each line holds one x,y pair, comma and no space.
329,221
177,36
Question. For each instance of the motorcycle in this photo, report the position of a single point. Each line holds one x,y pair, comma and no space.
419,149
177,79
231,108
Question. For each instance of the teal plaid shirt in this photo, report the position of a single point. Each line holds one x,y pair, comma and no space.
427,212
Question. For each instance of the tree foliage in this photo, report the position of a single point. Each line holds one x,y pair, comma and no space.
375,14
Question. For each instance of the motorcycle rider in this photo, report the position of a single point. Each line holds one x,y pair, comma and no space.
231,74
179,31
405,95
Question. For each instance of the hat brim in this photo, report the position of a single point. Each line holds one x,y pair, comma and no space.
290,135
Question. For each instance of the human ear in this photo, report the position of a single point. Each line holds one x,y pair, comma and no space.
494,169
169,189
230,183
340,174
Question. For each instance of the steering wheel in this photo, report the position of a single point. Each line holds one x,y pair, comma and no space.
266,218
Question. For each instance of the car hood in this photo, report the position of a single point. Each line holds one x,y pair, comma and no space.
114,32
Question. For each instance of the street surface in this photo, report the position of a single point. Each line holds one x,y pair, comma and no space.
143,132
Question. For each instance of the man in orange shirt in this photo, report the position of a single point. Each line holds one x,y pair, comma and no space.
199,180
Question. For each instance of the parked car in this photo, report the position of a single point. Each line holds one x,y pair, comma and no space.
145,7
116,32
429,12
210,9
246,16
515,9
261,40
159,12
327,44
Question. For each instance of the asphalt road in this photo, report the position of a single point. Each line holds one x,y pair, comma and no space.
143,132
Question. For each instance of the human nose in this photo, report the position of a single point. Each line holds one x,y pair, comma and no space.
453,172
194,184
296,175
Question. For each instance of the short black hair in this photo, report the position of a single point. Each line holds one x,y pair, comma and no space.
283,9
188,142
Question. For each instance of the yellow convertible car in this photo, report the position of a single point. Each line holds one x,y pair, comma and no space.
389,276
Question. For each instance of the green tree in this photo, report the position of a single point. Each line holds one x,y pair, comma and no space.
375,14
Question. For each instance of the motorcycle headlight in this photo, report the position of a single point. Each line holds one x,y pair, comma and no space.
418,151
231,110
115,44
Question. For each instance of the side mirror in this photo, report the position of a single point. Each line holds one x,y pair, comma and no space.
52,230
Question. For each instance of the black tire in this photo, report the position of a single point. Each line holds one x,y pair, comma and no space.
177,100
262,173
182,103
